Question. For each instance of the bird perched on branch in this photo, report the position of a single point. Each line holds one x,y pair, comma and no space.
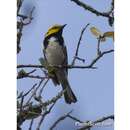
55,54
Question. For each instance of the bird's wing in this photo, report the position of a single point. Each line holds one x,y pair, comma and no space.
66,58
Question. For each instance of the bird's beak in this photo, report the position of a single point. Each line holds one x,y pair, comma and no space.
63,26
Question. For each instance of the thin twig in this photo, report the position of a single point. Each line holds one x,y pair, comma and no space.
44,115
104,118
54,99
108,14
21,105
112,7
19,116
79,42
46,103
80,59
98,46
59,120
31,123
32,76
29,17
100,56
28,66
93,123
19,34
74,118
22,16
19,5
22,73
23,95
41,90
21,23
91,9
34,92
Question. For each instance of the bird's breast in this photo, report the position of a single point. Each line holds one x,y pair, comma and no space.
54,54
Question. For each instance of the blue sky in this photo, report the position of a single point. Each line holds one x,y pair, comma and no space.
93,88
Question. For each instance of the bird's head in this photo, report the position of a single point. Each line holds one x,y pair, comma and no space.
55,29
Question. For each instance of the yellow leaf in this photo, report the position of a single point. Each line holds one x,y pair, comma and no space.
96,32
109,34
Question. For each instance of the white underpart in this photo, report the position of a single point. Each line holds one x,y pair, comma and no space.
54,52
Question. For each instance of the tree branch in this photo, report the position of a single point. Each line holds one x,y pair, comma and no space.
96,12
79,42
31,123
90,124
90,66
21,23
44,115
32,76
91,9
19,5
34,93
59,120
23,95
100,56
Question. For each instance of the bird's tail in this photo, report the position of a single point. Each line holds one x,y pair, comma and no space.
68,94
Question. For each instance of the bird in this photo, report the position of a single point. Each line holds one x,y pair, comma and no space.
55,54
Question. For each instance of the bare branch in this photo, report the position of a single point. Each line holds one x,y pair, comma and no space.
29,17
74,118
28,109
20,118
19,5
54,99
98,46
59,120
91,9
93,123
23,74
30,66
46,103
112,7
33,77
21,105
79,42
31,123
19,35
98,13
21,23
67,66
41,90
34,92
90,66
104,118
23,95
44,115
100,56
22,16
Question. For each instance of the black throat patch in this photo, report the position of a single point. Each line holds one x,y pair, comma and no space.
58,37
